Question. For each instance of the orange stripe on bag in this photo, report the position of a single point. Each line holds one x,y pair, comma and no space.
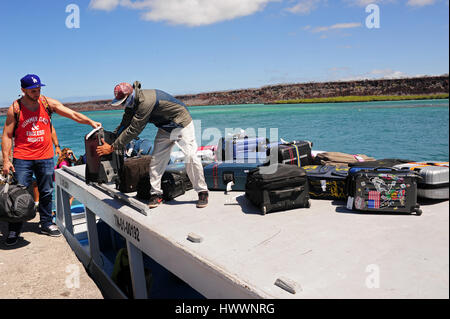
440,164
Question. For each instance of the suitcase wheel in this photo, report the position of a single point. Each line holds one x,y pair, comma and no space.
263,209
308,204
418,211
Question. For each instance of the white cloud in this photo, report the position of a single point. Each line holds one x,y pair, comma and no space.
365,3
378,74
388,73
106,5
414,3
337,27
420,3
304,6
187,12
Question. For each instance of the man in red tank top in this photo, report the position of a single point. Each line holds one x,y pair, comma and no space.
28,121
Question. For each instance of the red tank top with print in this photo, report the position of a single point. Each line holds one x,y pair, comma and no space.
33,136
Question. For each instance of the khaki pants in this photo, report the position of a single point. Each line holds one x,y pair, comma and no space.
184,138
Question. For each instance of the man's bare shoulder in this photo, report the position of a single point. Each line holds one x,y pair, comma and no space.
52,101
10,117
11,109
54,104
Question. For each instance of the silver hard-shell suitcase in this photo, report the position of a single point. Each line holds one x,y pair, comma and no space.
435,177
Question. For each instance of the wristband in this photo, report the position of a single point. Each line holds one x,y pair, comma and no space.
57,145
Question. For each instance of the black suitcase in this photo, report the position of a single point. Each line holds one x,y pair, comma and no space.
101,169
175,181
294,153
326,181
135,174
384,190
278,187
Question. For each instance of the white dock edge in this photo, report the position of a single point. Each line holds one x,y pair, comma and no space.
322,252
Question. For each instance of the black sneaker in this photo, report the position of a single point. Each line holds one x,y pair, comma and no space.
13,238
51,230
202,199
155,201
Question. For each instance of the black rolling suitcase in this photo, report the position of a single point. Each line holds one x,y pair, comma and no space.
296,153
326,181
101,169
278,187
383,190
135,174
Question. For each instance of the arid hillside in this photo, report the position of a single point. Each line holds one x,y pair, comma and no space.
269,94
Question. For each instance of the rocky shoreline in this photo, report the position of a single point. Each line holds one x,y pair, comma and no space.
269,94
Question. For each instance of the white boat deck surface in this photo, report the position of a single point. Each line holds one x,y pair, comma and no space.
325,251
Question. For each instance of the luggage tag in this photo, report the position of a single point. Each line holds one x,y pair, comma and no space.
358,158
323,184
228,188
350,203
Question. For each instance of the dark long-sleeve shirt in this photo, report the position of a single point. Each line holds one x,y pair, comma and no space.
154,106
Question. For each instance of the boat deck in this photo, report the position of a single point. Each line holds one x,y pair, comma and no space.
326,251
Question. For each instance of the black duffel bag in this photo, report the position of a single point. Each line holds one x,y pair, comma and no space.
16,203
175,181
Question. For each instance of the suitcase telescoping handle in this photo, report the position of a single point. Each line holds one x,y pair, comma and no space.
396,169
383,168
100,135
288,191
92,132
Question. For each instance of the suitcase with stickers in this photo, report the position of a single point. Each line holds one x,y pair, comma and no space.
383,190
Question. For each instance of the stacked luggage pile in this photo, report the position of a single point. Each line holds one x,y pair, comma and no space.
278,176
283,175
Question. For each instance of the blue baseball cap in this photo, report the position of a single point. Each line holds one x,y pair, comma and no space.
30,81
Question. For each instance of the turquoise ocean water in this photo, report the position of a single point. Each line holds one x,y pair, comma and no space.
417,130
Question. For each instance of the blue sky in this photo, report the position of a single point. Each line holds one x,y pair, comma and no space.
195,46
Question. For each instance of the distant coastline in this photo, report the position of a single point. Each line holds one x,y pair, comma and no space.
346,99
427,87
